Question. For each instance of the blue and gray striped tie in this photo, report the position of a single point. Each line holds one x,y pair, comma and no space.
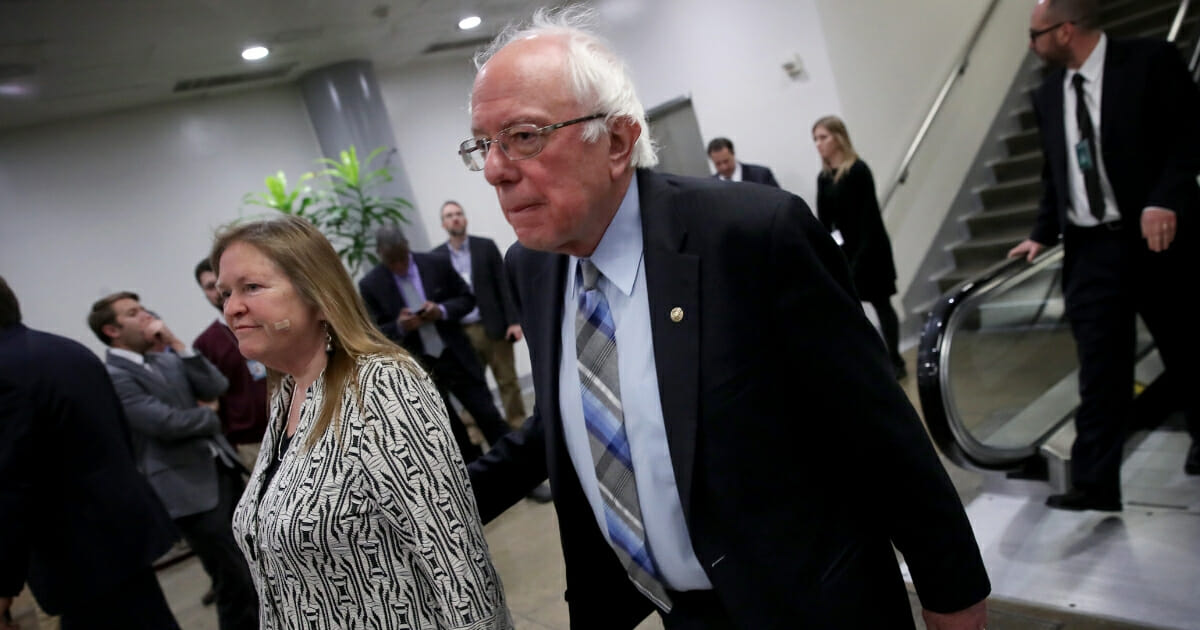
596,345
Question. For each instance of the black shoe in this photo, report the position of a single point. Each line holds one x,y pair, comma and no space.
540,494
209,598
1080,500
1192,465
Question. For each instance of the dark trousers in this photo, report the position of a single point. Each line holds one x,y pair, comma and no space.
889,325
137,603
1109,277
696,610
467,384
210,535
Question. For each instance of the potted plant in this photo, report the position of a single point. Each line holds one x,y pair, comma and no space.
347,212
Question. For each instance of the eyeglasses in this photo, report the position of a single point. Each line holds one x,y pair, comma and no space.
518,142
1034,34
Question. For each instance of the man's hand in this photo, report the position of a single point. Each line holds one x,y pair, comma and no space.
1028,248
973,618
157,331
408,320
1158,228
5,624
211,404
514,333
430,312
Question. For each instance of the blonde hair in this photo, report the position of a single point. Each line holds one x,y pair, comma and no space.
308,260
837,129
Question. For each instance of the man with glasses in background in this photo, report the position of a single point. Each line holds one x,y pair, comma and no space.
687,336
1120,129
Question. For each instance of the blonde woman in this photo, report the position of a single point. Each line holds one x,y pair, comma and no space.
358,513
847,205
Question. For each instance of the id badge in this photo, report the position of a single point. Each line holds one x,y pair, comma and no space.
1083,152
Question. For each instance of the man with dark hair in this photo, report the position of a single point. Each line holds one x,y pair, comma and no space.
178,443
417,300
687,336
79,523
243,407
720,151
493,325
1120,192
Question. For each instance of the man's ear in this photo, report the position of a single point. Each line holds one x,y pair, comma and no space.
112,331
623,133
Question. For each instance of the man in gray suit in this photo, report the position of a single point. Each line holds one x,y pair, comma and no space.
178,444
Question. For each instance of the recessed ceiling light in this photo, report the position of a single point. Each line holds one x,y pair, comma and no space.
469,23
254,53
16,89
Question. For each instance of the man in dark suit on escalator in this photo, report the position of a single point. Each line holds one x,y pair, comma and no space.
1120,129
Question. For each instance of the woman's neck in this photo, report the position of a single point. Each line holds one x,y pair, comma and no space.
835,160
305,371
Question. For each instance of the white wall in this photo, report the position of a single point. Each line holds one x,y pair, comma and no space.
131,200
890,59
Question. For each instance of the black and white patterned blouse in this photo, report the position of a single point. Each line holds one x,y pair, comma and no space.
375,526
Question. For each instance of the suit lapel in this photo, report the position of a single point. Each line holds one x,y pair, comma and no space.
1114,82
544,321
673,287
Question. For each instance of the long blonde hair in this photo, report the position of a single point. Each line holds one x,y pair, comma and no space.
307,258
837,129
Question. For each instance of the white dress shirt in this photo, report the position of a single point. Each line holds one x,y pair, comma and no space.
1093,85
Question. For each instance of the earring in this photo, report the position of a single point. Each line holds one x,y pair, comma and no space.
328,337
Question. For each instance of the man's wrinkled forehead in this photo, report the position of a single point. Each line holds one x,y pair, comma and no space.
522,79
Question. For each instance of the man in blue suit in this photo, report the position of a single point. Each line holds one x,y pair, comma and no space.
720,151
80,525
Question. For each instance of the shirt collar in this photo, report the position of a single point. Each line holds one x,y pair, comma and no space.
128,355
1093,67
451,247
619,253
412,268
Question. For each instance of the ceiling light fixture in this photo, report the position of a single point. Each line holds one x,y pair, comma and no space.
469,23
254,53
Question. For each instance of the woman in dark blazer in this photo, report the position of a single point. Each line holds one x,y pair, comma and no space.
847,205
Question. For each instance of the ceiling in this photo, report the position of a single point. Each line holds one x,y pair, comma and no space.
67,58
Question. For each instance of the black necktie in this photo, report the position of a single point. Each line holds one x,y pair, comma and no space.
1088,163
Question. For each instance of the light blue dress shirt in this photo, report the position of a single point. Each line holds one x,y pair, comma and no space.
619,258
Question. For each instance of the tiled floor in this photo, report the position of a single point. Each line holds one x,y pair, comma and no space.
525,547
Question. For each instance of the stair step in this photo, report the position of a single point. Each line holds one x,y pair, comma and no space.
1025,118
1011,193
991,222
1023,142
1113,11
985,251
1017,166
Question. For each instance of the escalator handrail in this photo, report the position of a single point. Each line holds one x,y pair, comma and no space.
945,427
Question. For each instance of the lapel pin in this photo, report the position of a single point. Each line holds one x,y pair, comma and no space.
677,314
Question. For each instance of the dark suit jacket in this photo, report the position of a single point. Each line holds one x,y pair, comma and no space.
1149,137
798,458
496,309
756,174
173,437
77,517
443,286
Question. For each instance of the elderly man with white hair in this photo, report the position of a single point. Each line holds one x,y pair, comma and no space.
720,424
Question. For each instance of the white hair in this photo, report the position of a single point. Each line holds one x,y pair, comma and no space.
600,80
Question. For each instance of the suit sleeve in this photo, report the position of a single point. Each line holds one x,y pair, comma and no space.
16,486
496,268
150,416
386,322
459,300
206,380
816,315
769,177
1176,108
517,464
1046,229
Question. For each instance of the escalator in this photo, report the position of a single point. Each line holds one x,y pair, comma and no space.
997,383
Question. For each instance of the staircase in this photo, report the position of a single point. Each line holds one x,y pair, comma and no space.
1000,214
